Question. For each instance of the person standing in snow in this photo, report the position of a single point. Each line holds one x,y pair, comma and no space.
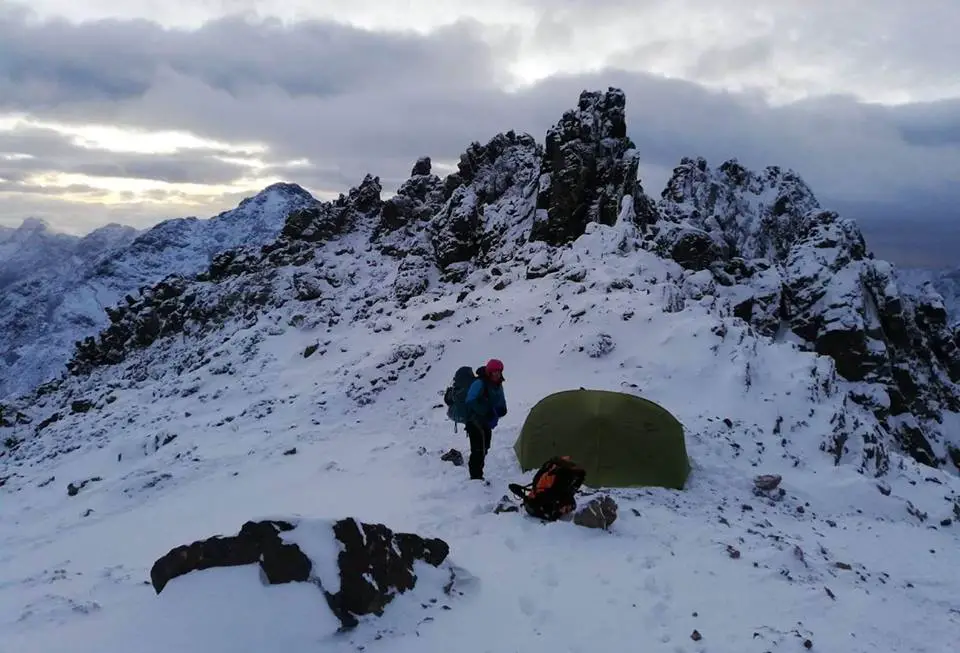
486,404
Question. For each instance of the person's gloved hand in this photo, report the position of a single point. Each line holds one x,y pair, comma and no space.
492,422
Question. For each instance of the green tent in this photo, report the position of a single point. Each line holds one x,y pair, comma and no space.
621,440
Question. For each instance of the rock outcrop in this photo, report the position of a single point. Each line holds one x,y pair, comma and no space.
786,265
589,165
369,565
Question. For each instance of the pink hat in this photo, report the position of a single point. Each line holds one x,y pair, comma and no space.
494,365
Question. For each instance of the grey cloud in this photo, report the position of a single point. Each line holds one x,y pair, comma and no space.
80,218
929,124
714,63
46,65
874,47
53,151
84,190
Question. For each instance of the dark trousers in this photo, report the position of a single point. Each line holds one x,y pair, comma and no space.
479,446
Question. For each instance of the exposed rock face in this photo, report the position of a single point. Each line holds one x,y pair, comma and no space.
589,165
415,203
257,542
373,565
329,219
462,231
792,266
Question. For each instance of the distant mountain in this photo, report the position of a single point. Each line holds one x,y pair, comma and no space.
54,287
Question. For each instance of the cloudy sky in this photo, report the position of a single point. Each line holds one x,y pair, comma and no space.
138,110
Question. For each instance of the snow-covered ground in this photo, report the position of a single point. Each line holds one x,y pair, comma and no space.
842,562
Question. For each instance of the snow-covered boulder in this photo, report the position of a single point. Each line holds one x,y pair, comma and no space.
360,568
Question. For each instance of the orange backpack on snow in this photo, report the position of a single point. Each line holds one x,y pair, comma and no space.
552,492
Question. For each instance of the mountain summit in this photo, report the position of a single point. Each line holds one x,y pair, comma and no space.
287,395
757,248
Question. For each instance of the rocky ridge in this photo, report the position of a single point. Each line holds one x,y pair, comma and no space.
55,288
763,245
757,248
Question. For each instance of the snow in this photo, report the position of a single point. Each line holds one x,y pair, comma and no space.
925,282
747,572
317,540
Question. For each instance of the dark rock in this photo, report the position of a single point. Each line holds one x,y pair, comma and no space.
81,406
589,165
73,489
598,513
47,422
693,249
453,456
417,200
794,265
767,482
421,167
257,542
334,218
458,233
375,565
954,454
439,315
10,417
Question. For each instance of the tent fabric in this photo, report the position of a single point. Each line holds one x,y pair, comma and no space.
621,440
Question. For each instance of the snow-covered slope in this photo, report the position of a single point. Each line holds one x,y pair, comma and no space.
54,287
945,283
305,378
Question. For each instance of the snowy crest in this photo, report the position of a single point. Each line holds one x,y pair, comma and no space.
301,374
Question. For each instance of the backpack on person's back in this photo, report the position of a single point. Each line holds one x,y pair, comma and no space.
455,396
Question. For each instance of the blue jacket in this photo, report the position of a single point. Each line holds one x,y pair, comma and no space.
486,402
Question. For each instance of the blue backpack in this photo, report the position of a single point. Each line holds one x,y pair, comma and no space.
455,396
